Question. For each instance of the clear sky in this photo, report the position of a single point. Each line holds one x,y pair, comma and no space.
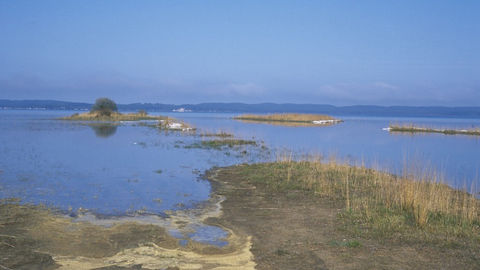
337,52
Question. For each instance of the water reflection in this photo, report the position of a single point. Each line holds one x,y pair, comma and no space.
104,130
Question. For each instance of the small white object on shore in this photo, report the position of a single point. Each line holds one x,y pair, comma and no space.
325,122
178,126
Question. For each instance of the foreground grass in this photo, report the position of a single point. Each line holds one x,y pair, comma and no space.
290,119
377,204
410,128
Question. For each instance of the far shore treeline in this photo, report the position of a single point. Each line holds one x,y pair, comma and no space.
357,110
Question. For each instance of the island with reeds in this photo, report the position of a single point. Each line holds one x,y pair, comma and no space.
290,119
411,128
105,110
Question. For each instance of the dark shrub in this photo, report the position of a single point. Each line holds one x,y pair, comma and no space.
104,106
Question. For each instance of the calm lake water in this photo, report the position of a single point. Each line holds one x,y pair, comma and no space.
117,170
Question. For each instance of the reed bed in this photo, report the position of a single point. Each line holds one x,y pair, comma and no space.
291,119
381,201
411,128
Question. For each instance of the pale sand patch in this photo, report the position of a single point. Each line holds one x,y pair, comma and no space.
151,256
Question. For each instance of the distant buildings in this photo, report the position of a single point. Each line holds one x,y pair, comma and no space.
181,110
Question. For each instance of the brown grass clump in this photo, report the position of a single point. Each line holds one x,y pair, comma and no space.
289,119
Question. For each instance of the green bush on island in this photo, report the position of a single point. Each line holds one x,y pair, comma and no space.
104,106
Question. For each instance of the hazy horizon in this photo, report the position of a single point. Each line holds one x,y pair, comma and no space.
177,52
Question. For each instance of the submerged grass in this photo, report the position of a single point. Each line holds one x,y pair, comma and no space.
378,204
291,119
219,144
218,134
411,128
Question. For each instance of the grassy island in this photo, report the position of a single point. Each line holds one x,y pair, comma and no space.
334,215
410,128
164,122
290,119
114,116
105,110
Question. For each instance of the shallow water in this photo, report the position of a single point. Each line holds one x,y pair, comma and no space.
121,170
362,140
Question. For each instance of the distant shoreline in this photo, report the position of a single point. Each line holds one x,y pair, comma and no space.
261,108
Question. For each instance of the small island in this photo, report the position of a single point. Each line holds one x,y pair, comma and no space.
105,110
410,128
290,119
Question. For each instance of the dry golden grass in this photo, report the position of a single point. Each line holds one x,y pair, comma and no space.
375,197
289,119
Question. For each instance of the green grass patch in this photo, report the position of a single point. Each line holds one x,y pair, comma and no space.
345,243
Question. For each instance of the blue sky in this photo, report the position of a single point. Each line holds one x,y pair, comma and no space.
336,52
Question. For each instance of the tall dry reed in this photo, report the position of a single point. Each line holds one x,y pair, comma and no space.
423,195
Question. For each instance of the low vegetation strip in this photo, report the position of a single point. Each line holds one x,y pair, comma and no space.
290,119
114,116
218,134
416,129
377,203
219,144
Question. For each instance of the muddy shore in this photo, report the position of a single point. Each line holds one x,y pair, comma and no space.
267,230
34,237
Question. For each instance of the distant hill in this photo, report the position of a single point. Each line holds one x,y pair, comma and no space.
357,110
43,105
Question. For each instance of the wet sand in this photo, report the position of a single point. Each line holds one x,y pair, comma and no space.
34,237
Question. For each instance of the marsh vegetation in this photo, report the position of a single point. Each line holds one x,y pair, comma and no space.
219,144
411,128
218,134
412,207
